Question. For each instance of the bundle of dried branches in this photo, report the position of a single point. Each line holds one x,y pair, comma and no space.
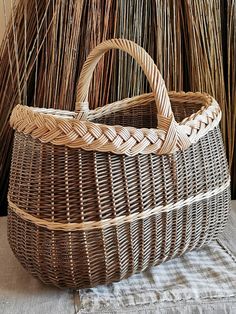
231,89
203,42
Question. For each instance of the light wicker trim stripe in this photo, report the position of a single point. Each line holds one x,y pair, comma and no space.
85,226
49,128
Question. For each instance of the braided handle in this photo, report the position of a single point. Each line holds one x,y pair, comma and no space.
144,60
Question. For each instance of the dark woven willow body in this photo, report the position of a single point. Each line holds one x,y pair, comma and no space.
61,184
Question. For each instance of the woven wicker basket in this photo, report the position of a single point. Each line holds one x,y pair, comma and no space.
98,195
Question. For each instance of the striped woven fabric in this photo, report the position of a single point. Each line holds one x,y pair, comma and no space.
189,284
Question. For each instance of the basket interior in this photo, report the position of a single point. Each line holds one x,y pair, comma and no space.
145,115
141,115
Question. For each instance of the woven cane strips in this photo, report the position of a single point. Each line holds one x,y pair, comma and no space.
98,195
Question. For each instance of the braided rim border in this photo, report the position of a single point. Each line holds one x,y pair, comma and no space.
130,141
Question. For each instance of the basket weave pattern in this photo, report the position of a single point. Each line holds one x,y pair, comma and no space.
85,210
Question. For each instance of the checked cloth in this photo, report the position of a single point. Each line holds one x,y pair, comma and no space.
177,286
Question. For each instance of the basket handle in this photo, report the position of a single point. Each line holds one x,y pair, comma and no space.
144,60
165,117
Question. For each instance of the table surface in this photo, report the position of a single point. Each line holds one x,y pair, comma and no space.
21,293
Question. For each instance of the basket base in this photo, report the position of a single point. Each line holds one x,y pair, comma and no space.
86,259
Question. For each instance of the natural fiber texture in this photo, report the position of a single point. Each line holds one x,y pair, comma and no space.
90,225
92,202
120,139
47,41
168,138
71,186
141,57
231,90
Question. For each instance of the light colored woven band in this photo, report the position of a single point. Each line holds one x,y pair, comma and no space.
105,223
48,127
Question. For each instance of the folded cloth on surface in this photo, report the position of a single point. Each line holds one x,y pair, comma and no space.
194,280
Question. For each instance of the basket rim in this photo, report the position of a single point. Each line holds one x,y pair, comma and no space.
60,127
131,102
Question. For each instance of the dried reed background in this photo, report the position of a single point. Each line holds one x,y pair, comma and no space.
47,41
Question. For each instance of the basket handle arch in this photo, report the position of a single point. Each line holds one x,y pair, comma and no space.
165,116
143,59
